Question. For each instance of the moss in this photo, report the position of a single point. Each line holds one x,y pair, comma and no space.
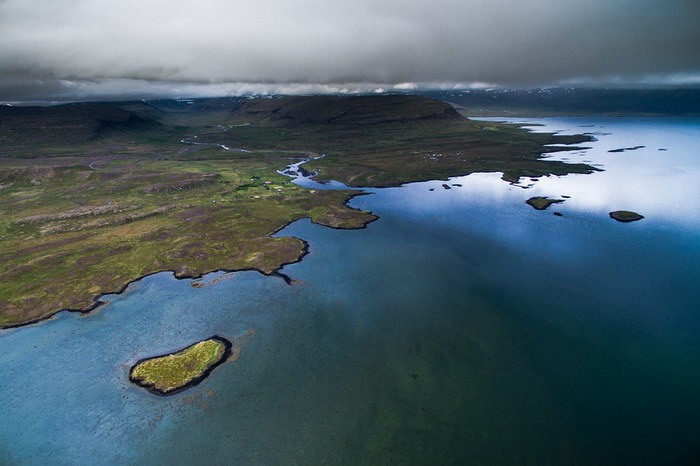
171,373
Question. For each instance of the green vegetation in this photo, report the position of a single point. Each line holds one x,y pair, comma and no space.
390,140
69,233
541,203
171,373
93,197
625,216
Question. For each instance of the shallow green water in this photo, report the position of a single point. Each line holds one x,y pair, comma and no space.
461,327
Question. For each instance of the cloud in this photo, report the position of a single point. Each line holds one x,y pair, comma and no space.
45,44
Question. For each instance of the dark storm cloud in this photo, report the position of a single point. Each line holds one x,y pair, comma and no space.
52,47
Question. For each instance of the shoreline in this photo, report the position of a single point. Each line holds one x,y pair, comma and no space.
228,345
276,272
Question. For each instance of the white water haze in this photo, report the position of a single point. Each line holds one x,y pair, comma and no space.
51,47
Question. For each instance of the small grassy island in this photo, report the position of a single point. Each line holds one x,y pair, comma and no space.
542,202
625,216
172,373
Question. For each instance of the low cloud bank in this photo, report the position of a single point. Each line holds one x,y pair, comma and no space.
55,47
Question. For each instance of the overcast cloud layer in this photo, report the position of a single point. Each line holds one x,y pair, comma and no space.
88,47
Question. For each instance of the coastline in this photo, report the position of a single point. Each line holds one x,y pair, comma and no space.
276,272
97,303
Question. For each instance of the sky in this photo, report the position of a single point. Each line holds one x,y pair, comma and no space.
71,49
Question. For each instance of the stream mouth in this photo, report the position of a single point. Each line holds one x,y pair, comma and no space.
300,176
296,171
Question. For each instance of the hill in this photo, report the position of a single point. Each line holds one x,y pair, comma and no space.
67,124
344,110
573,102
94,196
386,140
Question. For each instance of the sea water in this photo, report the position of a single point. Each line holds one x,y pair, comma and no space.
461,327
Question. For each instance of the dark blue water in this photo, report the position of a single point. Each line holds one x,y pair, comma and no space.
461,327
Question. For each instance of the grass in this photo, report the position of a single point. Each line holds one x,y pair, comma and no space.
392,153
169,373
70,233
85,215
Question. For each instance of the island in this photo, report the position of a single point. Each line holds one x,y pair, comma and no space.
625,216
174,372
542,202
625,149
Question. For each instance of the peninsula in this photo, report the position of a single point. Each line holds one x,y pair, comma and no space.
95,196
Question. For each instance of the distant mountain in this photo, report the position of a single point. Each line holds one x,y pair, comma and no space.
344,110
571,102
183,112
68,124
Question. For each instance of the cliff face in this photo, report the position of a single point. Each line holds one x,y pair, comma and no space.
344,110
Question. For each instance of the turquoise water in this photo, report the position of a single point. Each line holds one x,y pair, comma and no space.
461,327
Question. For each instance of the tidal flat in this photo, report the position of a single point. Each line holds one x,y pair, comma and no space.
461,326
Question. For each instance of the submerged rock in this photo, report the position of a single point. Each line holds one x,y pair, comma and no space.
542,202
623,149
446,186
625,216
